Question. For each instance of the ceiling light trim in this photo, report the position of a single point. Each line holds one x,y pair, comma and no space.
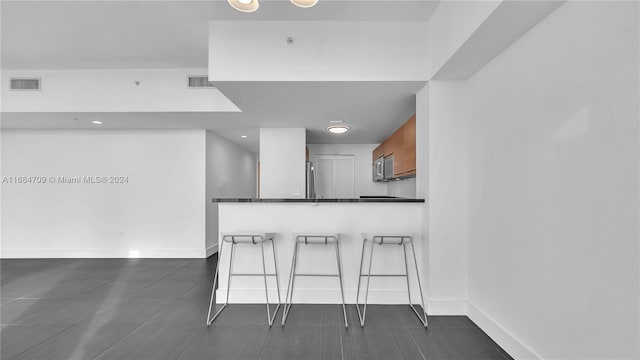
249,7
338,129
304,3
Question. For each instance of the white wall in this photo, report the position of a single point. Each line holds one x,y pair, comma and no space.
441,163
230,173
112,90
364,185
451,25
479,31
447,194
553,187
159,212
282,162
321,51
422,181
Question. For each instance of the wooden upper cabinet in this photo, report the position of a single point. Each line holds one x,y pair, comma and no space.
394,147
402,145
408,165
378,152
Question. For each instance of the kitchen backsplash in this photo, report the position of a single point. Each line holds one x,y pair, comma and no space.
402,188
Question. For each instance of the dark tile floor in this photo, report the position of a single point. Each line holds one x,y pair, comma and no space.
156,309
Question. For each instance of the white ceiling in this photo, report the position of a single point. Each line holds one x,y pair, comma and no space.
153,34
174,34
373,110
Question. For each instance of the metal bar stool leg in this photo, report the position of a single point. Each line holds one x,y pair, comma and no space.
215,280
292,277
266,289
233,246
213,290
366,294
423,318
344,307
275,266
406,271
364,242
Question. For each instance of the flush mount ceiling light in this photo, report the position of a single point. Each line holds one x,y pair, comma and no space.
304,3
244,5
338,129
96,122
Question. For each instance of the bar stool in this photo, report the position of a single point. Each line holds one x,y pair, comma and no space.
389,239
245,238
313,239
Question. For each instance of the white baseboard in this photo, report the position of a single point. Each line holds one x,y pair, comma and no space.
212,250
332,296
446,306
317,296
510,343
101,253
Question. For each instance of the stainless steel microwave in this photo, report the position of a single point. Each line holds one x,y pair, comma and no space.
383,168
378,169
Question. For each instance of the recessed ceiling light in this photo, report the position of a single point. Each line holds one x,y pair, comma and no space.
244,5
96,122
338,129
304,3
243,136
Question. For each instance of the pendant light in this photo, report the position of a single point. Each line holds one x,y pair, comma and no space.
244,5
304,3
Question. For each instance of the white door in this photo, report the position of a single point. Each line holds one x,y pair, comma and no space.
335,175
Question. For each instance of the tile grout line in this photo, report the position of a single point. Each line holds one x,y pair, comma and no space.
44,340
413,339
130,332
146,321
341,345
62,301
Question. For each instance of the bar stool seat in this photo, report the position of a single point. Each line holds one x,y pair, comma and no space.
391,238
250,238
398,239
316,238
313,239
253,238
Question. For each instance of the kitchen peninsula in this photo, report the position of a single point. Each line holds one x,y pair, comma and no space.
349,217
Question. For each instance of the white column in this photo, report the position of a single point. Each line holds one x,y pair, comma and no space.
282,163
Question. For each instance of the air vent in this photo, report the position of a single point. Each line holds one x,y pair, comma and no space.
198,82
25,84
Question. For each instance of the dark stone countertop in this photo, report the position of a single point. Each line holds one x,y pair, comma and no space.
352,200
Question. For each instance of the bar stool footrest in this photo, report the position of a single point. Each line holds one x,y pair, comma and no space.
383,275
330,275
233,274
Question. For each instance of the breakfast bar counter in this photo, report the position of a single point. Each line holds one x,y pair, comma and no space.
364,199
347,217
